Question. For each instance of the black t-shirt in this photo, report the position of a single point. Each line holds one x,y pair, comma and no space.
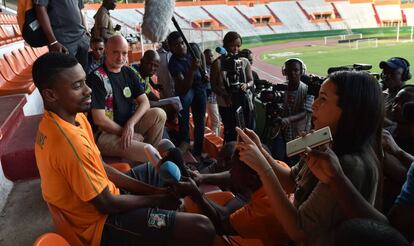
123,100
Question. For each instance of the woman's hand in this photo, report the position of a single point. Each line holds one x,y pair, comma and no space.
324,165
253,136
250,153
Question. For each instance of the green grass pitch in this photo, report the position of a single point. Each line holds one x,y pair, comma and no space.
319,58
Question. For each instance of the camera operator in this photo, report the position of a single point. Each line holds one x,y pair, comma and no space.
246,53
232,81
297,104
395,72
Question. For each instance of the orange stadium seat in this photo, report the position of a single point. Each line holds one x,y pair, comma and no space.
26,63
9,75
9,88
9,33
63,227
40,51
19,67
50,239
17,30
212,144
31,52
11,83
121,166
27,57
220,197
4,37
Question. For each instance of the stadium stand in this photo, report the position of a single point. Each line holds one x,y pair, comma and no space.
389,14
292,17
360,15
263,18
315,7
230,17
409,13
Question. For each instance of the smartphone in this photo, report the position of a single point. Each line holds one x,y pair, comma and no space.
240,118
153,155
311,140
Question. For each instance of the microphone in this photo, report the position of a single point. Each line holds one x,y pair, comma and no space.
157,15
152,155
175,155
221,51
169,173
408,111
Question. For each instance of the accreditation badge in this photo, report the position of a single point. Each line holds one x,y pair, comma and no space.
127,92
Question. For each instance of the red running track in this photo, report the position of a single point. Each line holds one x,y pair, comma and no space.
271,72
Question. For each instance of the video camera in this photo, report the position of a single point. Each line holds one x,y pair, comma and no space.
268,92
272,96
314,82
233,66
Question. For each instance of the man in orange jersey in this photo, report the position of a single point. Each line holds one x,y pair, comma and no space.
103,205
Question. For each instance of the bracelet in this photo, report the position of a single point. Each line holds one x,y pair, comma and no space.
53,43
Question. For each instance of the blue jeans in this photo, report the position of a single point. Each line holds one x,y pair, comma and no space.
196,98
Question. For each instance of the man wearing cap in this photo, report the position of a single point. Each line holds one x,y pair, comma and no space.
395,72
121,115
103,27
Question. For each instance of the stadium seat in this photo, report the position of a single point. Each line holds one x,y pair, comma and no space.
221,198
63,227
40,51
50,239
121,166
236,240
19,67
31,52
10,88
4,37
27,57
17,30
9,33
212,144
26,67
9,75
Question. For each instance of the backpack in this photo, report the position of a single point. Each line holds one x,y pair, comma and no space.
31,30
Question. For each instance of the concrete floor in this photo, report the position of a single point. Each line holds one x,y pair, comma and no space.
25,216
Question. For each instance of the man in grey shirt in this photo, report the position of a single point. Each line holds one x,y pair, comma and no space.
62,23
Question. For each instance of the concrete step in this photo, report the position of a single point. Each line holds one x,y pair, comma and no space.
18,159
25,216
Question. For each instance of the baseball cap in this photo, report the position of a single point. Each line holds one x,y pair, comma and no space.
393,63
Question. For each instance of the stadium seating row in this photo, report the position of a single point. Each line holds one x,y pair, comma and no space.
16,70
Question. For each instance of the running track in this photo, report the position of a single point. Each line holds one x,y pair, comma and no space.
271,72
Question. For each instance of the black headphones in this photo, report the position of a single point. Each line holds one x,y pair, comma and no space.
302,64
406,75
